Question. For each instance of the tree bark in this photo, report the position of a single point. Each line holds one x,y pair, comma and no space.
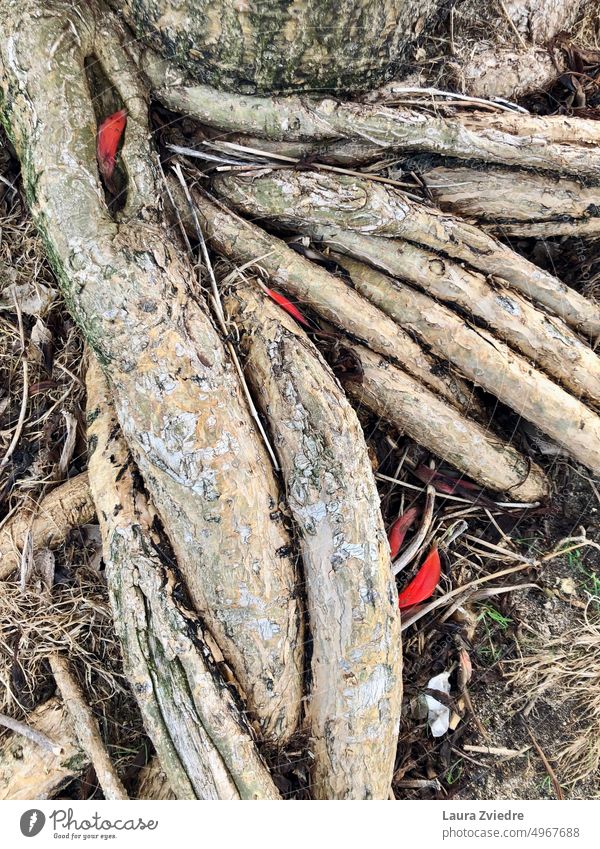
304,45
204,743
177,396
353,709
300,200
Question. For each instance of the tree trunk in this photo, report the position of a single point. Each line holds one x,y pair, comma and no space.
304,45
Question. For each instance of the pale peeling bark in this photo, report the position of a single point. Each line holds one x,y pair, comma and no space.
556,144
65,507
545,340
301,199
472,449
177,395
203,741
328,296
531,205
489,363
335,45
29,772
353,708
507,72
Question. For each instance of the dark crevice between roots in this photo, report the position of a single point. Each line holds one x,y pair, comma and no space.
106,100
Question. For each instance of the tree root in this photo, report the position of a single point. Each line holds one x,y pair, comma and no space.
65,507
529,205
353,710
86,729
28,771
202,739
546,341
558,144
178,397
472,449
302,199
328,296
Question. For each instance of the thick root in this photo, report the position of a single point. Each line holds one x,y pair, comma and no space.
466,445
65,507
329,297
557,144
545,340
489,363
354,706
302,199
203,742
177,396
523,204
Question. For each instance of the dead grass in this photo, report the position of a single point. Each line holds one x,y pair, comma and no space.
566,670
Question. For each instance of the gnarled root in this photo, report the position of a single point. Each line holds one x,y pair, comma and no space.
354,704
302,199
177,396
202,739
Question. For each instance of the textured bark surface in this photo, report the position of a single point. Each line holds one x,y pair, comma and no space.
153,783
178,398
489,363
469,447
301,199
328,296
202,739
532,205
556,144
353,710
65,507
545,340
29,772
336,45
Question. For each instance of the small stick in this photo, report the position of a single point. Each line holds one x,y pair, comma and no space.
86,729
410,619
511,23
404,559
496,750
546,762
31,734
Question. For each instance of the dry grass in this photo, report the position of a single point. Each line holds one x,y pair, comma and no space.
566,670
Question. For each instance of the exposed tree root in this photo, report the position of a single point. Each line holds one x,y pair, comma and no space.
203,741
328,296
86,729
472,449
562,145
29,772
354,706
302,199
544,340
65,507
178,397
531,205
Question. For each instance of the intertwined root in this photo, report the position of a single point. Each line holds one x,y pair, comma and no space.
442,320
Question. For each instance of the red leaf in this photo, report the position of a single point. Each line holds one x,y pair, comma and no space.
288,306
424,582
109,136
398,530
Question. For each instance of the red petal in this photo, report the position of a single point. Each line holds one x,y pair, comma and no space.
288,306
398,530
109,136
424,582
